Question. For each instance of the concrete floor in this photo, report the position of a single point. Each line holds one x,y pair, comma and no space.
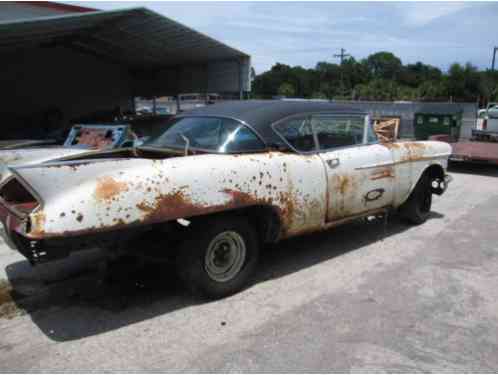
353,299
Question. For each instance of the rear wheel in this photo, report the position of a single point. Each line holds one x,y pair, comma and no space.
219,256
417,208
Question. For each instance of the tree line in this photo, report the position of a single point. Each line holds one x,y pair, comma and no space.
381,76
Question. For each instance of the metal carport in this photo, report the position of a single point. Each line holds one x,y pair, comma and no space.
86,62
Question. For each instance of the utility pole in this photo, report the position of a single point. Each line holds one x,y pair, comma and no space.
342,55
494,58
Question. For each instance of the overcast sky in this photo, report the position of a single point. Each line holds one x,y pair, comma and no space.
299,33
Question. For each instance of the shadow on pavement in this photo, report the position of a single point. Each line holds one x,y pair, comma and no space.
489,170
86,303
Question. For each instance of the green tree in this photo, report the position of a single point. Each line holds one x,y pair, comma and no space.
432,91
383,65
488,85
286,89
414,75
381,76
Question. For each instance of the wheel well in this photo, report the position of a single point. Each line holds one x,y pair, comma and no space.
265,219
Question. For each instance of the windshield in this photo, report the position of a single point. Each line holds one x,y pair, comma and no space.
208,133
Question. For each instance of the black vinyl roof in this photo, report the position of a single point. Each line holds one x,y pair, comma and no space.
261,114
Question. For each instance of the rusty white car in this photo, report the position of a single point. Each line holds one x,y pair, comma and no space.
218,184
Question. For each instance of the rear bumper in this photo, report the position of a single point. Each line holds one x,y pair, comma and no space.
36,251
44,250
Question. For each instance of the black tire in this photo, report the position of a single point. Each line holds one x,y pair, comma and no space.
206,245
416,210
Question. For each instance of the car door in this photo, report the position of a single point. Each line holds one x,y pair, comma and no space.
359,171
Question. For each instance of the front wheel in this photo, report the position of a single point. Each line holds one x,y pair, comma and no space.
219,257
417,208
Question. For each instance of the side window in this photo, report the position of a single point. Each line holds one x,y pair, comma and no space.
338,131
236,137
298,133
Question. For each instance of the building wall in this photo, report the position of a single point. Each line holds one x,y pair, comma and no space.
213,77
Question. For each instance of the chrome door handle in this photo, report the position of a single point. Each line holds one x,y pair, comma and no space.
333,163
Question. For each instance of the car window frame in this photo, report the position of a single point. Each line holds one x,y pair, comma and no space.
308,115
245,124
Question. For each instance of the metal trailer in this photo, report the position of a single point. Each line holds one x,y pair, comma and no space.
482,147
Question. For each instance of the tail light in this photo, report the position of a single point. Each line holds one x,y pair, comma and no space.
18,197
484,124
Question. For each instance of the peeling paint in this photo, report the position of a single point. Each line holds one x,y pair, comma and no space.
108,188
38,222
384,173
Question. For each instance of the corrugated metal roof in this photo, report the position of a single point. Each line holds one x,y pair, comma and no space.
137,37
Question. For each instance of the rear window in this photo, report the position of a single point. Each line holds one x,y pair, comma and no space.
208,133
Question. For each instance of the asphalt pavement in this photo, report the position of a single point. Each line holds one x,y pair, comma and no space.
361,297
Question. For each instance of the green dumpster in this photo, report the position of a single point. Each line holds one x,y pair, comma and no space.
427,124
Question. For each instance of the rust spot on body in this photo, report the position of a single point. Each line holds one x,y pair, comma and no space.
108,188
342,183
38,221
391,145
170,206
385,173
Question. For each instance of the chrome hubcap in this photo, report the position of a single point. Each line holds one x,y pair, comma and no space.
225,256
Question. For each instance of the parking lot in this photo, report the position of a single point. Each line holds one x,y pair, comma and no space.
362,297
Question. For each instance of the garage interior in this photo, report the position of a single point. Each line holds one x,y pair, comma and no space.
60,69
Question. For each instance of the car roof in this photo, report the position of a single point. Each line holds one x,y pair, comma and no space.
260,114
